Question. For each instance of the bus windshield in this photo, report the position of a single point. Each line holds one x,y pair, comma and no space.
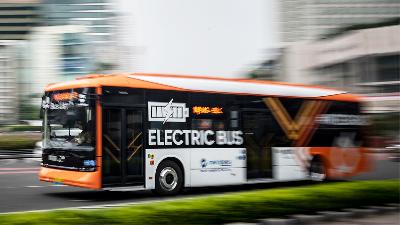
69,128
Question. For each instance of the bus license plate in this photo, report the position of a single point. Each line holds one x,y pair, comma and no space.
52,158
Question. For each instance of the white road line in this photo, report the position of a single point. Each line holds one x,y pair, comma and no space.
106,205
33,186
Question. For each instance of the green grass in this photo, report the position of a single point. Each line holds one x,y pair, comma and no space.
22,127
18,141
223,208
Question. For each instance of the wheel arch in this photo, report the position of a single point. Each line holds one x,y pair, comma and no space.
322,159
177,161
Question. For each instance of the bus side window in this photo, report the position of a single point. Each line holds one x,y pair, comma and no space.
202,124
234,119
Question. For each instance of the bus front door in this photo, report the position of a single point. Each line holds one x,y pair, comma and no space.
123,159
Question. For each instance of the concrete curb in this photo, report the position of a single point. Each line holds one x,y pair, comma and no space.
308,219
361,212
241,223
320,217
384,209
277,221
335,215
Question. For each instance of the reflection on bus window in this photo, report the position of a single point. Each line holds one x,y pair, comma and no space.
208,124
69,128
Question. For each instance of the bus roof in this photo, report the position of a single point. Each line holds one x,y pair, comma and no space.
205,84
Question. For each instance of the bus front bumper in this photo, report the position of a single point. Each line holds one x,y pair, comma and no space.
90,180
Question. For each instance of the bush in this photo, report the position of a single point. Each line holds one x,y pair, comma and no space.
15,142
23,127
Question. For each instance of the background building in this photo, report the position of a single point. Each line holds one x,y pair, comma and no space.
98,18
365,61
17,17
59,53
312,19
10,64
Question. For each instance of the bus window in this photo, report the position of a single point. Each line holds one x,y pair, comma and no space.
202,124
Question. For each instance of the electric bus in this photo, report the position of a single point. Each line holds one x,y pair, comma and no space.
169,132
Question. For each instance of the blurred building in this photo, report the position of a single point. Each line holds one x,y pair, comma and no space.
9,70
308,20
364,61
58,53
17,17
97,16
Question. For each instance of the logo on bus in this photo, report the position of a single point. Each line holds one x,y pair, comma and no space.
168,111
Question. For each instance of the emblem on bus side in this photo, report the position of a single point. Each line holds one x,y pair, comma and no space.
168,111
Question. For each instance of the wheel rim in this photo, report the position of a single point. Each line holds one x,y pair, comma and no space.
317,172
168,178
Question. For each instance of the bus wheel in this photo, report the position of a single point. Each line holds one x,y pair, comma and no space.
169,178
317,170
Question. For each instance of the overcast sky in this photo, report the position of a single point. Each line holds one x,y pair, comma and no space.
199,37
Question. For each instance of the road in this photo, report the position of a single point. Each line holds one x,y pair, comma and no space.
20,189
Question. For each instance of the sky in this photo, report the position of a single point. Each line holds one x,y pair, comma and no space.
199,37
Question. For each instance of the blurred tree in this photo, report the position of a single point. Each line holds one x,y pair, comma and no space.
104,67
28,111
386,125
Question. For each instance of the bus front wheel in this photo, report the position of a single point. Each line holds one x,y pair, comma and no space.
317,170
169,178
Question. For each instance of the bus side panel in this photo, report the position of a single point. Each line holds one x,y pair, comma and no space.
290,163
218,166
342,161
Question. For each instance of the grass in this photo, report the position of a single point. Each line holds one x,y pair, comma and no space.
224,208
22,127
18,141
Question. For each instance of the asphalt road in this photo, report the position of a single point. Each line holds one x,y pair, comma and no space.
20,189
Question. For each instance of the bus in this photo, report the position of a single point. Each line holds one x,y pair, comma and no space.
169,132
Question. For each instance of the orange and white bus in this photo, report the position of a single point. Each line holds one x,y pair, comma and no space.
168,132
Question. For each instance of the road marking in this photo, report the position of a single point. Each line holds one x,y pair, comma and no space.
33,186
57,185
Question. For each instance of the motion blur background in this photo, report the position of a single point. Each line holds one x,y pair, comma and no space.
347,44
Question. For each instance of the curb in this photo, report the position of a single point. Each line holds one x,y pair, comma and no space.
320,217
277,221
335,215
361,212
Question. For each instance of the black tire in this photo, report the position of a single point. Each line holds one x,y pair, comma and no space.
169,178
317,172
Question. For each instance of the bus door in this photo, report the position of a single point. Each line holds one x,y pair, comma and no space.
257,140
123,153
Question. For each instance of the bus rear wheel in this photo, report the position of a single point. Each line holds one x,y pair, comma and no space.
169,178
317,171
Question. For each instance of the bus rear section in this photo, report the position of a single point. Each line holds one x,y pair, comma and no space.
119,137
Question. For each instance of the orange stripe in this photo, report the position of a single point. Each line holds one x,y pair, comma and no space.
321,109
279,116
308,124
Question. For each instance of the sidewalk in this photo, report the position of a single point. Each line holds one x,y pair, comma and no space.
384,219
